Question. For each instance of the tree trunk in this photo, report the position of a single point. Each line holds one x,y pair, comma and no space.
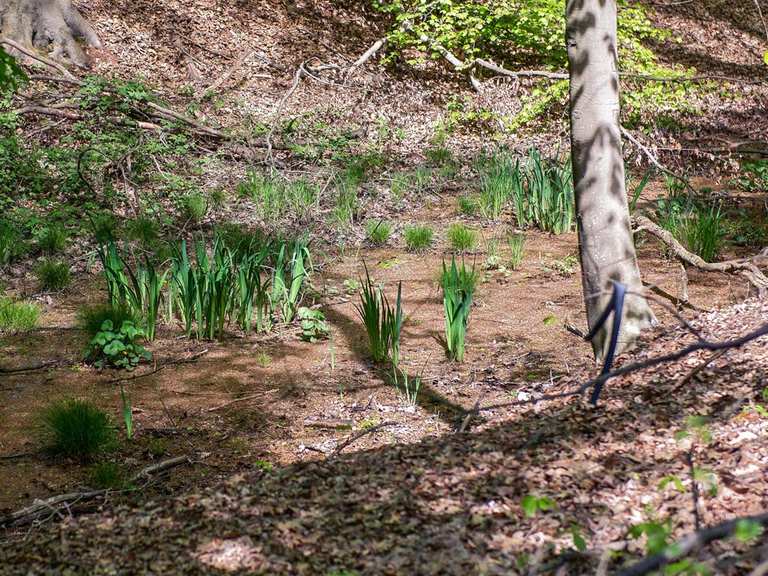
48,25
606,246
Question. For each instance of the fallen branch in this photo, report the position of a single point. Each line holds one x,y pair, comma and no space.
157,369
228,74
355,437
689,544
367,55
652,158
688,377
243,399
64,501
746,268
29,368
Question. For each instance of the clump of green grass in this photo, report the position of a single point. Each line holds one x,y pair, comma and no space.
144,230
194,206
77,429
18,316
461,238
458,284
104,227
383,323
550,201
91,318
276,198
52,239
500,180
12,245
107,476
346,206
516,243
378,231
467,205
703,232
418,238
53,275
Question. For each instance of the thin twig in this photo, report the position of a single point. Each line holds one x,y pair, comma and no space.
355,437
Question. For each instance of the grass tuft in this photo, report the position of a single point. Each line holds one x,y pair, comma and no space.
18,316
461,238
418,238
458,284
52,239
77,429
53,275
378,231
516,244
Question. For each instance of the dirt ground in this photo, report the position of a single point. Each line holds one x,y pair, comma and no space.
275,399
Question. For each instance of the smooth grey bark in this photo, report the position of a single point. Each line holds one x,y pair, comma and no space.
606,246
54,25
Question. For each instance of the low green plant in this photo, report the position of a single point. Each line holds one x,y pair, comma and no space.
91,318
193,206
276,198
516,243
704,231
12,245
382,322
17,316
468,205
418,238
532,504
550,202
378,231
291,272
458,284
104,227
117,347
461,238
107,476
144,230
755,175
346,206
77,429
53,275
500,180
51,239
252,294
313,325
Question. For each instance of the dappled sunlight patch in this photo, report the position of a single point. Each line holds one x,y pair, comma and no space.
230,554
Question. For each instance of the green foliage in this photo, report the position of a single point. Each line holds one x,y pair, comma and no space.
17,316
51,239
107,476
533,504
461,238
77,429
458,284
656,535
104,227
500,179
277,198
12,245
53,275
418,238
516,243
91,318
703,232
194,206
291,271
117,347
144,230
252,294
550,202
378,231
313,325
11,74
755,176
467,205
346,184
382,322
747,531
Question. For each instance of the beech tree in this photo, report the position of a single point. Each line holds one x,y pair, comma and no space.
54,25
606,245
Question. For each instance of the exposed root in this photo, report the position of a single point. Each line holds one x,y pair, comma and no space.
746,268
53,25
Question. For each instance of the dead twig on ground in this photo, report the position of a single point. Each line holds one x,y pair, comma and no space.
54,504
355,437
163,366
688,377
243,399
37,57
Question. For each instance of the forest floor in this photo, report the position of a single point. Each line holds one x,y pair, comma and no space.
303,458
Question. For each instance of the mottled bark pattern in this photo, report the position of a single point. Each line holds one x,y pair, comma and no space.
47,24
605,237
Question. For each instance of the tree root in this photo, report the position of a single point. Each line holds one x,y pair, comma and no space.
45,24
746,268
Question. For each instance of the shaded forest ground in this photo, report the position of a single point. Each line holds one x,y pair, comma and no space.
414,497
